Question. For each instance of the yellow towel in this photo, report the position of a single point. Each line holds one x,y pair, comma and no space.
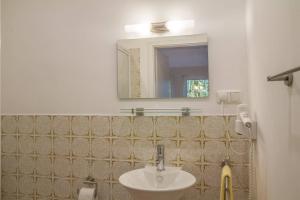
226,172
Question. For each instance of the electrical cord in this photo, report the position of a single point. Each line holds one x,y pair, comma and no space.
252,171
252,165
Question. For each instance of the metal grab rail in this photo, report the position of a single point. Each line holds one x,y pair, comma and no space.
286,76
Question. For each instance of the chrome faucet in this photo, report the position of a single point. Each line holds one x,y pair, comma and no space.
160,157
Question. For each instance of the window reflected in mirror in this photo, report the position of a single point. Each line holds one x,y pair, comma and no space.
182,72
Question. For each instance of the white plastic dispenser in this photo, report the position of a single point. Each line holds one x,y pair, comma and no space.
243,121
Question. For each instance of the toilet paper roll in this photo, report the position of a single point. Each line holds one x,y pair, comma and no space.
86,194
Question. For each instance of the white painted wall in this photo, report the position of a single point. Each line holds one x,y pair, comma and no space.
59,56
273,38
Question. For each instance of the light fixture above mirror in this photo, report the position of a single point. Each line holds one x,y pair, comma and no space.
160,27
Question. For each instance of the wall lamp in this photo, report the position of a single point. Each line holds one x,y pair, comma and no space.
160,27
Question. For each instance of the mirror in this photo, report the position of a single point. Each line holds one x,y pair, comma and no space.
163,67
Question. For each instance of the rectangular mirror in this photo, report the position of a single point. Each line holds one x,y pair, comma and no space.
163,67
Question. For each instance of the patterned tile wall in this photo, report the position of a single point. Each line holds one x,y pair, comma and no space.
48,157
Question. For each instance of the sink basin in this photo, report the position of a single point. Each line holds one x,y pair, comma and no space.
149,184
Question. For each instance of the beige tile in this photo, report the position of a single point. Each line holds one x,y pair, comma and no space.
143,126
9,124
120,193
43,125
40,198
166,126
190,150
239,151
28,197
194,169
61,146
143,149
121,126
62,188
26,185
192,194
9,144
121,149
139,165
101,169
240,176
26,144
43,145
104,191
44,187
61,125
25,124
9,164
43,166
100,148
212,175
62,167
100,126
26,165
240,194
9,197
9,184
214,151
118,168
190,127
80,147
80,168
80,125
214,127
212,193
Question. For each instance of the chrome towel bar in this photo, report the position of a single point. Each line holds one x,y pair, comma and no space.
286,76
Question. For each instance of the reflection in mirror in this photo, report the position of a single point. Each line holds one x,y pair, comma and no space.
182,72
129,73
163,67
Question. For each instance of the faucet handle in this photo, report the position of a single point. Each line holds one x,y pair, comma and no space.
160,157
160,149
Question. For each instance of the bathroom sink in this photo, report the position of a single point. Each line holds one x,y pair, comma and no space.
149,184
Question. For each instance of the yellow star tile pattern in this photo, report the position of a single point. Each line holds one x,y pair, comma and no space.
48,157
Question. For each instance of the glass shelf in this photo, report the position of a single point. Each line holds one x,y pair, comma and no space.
185,111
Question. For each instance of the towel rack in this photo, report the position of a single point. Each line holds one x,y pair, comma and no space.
226,194
286,76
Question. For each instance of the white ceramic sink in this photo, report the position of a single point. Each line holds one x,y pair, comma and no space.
149,184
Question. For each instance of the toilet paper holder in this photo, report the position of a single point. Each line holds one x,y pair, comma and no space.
91,183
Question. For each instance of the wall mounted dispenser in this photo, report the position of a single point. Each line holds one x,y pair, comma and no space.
243,121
